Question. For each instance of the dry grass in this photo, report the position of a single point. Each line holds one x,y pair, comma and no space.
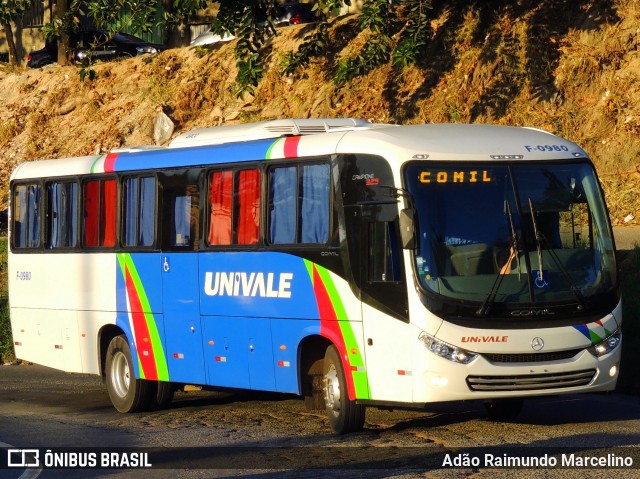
577,76
8,129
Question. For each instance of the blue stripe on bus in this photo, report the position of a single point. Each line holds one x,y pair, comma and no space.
181,157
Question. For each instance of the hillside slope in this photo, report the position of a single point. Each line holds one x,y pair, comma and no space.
569,67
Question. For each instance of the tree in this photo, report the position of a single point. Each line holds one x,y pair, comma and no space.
252,23
400,31
136,16
63,38
10,11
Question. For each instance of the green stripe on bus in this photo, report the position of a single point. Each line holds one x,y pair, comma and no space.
156,343
271,148
360,379
93,165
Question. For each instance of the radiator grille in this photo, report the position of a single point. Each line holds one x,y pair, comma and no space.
531,382
531,357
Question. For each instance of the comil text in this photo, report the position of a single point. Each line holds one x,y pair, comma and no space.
473,176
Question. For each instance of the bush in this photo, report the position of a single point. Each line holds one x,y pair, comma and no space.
6,341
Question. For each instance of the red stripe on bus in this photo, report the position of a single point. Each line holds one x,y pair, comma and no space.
291,146
110,162
141,328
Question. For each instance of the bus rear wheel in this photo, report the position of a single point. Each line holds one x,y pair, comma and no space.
344,415
162,395
127,393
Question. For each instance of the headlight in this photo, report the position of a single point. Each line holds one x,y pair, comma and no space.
146,49
606,345
446,350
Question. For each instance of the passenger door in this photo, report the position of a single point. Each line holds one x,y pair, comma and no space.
179,270
384,299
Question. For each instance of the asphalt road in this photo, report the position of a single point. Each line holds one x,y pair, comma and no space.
267,436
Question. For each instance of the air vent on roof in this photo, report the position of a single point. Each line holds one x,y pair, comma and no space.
281,130
265,129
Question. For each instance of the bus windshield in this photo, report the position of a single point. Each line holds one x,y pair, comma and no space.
511,233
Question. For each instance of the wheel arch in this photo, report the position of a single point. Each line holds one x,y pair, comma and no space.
105,335
311,351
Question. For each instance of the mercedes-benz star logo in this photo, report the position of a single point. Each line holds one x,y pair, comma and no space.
537,344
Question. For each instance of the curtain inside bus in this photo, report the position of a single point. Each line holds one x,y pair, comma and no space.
315,204
220,197
283,208
248,198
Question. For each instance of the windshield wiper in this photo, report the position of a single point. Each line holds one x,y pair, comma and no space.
565,274
538,237
491,297
514,251
515,248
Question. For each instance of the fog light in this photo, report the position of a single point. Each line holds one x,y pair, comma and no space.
613,371
439,381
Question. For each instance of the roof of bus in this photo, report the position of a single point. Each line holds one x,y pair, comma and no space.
441,142
460,142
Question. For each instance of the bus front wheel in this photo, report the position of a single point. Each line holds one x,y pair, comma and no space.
344,415
127,393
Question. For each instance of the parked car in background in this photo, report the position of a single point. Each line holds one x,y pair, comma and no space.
95,44
294,14
208,37
286,14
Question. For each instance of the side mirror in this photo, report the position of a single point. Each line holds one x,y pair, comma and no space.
407,228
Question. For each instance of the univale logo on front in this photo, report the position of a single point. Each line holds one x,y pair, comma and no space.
265,285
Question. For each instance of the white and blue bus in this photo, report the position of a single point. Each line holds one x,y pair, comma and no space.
354,264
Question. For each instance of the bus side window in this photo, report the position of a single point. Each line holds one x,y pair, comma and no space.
180,211
100,212
384,254
314,215
234,199
62,215
299,204
26,216
139,211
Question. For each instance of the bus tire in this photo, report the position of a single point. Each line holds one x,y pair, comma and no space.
503,409
164,392
344,415
127,393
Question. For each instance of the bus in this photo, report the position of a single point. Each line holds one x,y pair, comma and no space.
350,263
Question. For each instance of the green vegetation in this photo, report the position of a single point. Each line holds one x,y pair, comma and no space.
6,343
